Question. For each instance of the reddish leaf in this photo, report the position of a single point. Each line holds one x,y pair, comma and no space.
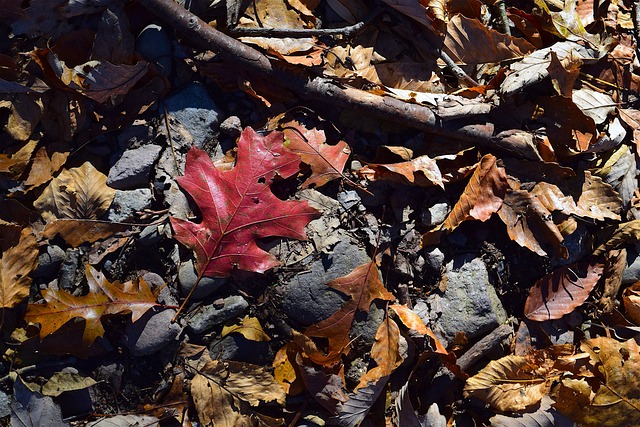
363,285
238,207
563,290
326,161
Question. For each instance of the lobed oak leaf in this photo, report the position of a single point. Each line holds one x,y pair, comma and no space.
238,207
563,290
363,285
105,298
326,161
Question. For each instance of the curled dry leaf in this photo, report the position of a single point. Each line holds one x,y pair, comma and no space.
326,161
19,258
421,171
563,290
508,384
104,298
625,233
631,301
226,394
363,285
611,398
238,207
481,198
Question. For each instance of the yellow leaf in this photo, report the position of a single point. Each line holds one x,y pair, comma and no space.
249,327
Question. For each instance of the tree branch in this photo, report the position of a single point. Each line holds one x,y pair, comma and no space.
321,89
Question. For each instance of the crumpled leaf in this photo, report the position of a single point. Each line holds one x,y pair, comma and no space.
249,327
104,298
627,232
238,207
326,161
78,231
631,301
226,394
127,421
508,384
544,416
61,382
481,198
19,259
363,285
14,164
78,193
421,171
563,290
385,352
610,401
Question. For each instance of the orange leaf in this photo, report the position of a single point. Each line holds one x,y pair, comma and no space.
15,265
363,285
104,298
385,351
422,171
563,290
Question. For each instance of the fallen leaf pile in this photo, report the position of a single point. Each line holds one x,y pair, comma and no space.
287,248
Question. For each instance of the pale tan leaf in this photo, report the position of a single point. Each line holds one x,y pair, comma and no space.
598,200
78,231
249,327
16,264
62,382
506,386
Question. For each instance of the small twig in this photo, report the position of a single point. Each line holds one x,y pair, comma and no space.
502,14
484,346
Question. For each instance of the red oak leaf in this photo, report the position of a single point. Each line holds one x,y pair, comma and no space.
238,207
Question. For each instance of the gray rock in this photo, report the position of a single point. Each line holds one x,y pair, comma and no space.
237,347
187,278
231,126
133,168
208,316
469,304
436,213
149,236
154,44
127,202
349,199
49,261
4,405
196,111
576,244
434,259
305,298
631,274
151,333
68,270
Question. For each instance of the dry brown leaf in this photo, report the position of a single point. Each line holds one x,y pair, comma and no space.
625,233
482,197
563,290
615,264
45,164
508,384
611,402
631,301
421,171
385,352
598,200
17,262
530,225
25,116
470,42
14,164
78,193
285,370
78,231
362,285
249,327
226,393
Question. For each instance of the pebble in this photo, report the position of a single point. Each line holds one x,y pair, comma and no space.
134,167
49,261
127,203
187,277
231,126
631,273
237,347
435,214
154,44
469,303
151,333
195,110
209,316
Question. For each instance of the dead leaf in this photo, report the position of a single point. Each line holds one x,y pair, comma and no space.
326,161
385,352
481,198
615,264
625,233
15,164
421,171
226,394
17,262
104,298
353,411
363,285
631,301
563,290
78,231
249,327
286,371
544,416
78,193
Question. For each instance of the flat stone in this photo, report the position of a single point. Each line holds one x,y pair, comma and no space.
631,274
435,214
195,110
237,347
469,304
154,44
187,278
133,168
151,333
209,316
127,202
